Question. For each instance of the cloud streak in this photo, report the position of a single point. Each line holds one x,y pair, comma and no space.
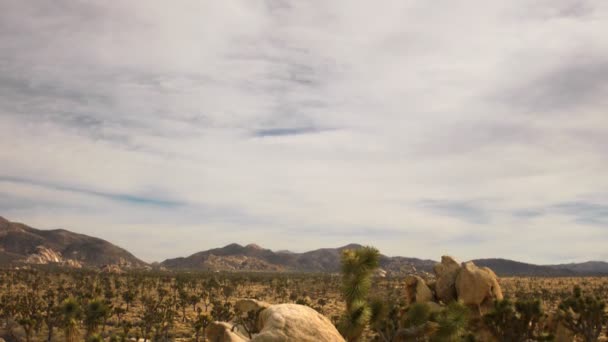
419,128
126,198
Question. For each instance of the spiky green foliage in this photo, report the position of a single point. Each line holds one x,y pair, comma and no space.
418,314
95,314
452,323
517,323
70,312
357,269
583,315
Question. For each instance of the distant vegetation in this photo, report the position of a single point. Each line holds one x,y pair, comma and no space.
75,305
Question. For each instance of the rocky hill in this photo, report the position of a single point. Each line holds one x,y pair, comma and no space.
235,257
589,267
504,267
256,258
20,244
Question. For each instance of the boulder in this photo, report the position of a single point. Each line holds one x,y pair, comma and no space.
445,273
281,323
246,305
416,290
222,332
477,287
293,322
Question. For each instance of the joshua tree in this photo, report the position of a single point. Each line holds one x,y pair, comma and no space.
70,314
452,323
128,296
200,326
583,315
357,269
517,323
95,314
222,311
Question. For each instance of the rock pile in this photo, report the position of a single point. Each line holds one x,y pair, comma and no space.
474,286
45,256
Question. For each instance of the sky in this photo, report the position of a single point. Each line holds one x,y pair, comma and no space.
471,128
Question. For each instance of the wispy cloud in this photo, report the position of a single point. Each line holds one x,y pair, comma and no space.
119,197
277,132
470,211
264,120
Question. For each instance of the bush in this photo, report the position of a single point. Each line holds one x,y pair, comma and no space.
583,315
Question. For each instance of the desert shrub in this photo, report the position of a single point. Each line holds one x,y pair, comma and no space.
583,315
517,322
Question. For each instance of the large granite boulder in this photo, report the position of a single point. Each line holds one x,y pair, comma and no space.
445,273
477,287
222,332
280,323
417,290
246,305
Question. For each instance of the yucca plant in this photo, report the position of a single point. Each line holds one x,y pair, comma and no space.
95,314
70,313
357,270
452,323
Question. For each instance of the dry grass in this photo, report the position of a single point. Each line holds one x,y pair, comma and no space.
322,292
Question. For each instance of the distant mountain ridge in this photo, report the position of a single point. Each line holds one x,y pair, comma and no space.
504,267
20,243
319,260
328,260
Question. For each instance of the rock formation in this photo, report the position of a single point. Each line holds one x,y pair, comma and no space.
44,256
280,323
476,287
417,290
446,272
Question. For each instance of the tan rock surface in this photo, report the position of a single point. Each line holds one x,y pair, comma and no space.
281,323
417,291
292,322
477,286
446,273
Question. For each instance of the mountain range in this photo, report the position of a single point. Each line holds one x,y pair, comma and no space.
21,244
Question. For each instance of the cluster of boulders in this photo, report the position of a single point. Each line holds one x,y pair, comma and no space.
474,286
45,256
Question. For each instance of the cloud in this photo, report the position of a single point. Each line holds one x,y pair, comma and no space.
129,198
584,212
277,132
470,211
423,129
581,82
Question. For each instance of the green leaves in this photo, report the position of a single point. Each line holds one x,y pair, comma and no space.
357,269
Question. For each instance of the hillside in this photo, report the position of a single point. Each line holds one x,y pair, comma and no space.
589,267
235,257
20,243
255,258
504,267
